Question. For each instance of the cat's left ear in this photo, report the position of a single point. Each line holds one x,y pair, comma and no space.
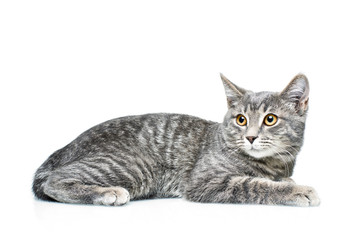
233,92
297,92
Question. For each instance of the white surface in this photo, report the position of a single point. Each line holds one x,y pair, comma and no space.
68,65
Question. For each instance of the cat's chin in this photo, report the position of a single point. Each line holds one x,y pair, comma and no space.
259,153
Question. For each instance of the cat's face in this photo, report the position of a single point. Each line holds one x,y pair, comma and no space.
266,124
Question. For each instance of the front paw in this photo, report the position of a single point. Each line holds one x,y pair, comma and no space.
302,196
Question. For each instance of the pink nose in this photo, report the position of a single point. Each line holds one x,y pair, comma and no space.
251,139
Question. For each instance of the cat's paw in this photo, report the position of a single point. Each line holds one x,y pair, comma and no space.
113,196
302,196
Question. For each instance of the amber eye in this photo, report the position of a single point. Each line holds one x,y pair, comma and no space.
241,120
270,120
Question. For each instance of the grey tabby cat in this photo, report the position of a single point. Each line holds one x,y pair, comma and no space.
248,158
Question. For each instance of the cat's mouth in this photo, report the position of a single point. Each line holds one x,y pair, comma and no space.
258,151
255,147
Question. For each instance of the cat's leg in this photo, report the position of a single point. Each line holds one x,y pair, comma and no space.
74,191
87,183
250,190
101,181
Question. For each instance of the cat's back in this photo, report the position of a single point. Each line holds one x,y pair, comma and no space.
162,136
156,129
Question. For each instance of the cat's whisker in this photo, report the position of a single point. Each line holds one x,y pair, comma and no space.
296,150
281,158
284,150
290,157
287,170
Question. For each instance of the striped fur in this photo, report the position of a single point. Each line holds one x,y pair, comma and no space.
173,155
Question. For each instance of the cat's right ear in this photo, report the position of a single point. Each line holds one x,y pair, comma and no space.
233,92
297,93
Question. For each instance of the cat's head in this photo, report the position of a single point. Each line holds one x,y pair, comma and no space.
266,124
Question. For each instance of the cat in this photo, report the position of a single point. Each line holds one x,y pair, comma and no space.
248,158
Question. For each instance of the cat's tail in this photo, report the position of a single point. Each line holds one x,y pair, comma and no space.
44,171
40,178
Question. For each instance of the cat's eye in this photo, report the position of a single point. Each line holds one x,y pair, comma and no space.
270,120
241,120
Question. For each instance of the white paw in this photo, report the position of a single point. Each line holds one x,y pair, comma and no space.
113,196
303,196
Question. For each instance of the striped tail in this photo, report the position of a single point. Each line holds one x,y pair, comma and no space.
40,179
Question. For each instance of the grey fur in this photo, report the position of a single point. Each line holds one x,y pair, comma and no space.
173,155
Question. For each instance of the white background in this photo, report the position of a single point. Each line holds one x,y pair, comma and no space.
68,65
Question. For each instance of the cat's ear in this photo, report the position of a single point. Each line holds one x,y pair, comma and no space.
233,92
297,93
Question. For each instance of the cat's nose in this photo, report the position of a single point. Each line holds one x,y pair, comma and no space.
251,139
